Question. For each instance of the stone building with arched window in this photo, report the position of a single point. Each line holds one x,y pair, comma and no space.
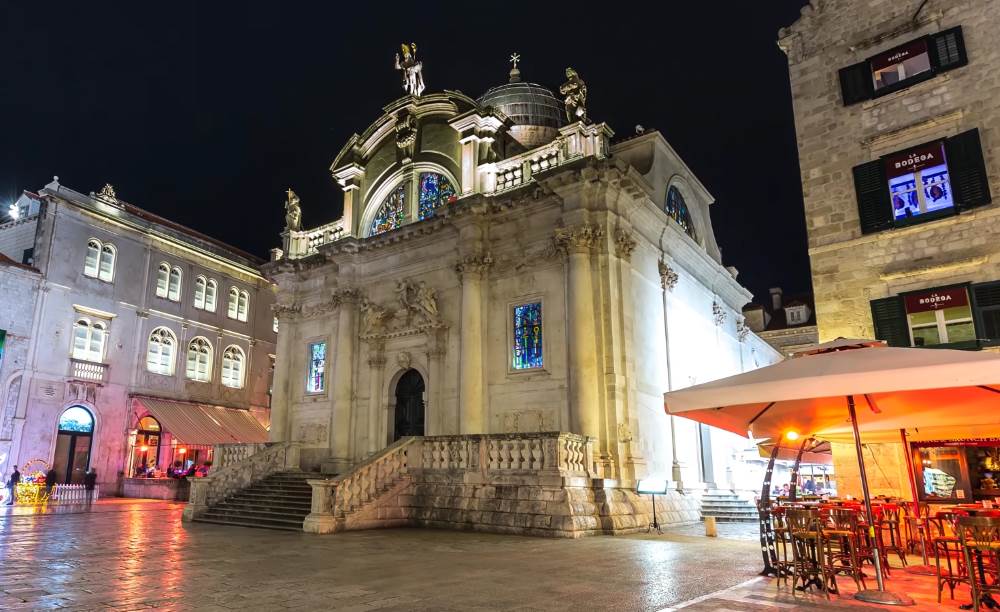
501,274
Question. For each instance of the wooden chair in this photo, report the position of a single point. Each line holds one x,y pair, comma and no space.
979,538
890,533
840,529
808,551
949,566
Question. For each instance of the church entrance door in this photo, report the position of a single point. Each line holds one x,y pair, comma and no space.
409,405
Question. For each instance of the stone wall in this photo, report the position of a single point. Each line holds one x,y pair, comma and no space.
849,269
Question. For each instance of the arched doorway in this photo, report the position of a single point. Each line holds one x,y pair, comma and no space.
76,432
409,405
146,451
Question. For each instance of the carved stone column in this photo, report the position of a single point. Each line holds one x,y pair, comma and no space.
471,270
349,177
343,378
433,423
377,437
280,414
577,243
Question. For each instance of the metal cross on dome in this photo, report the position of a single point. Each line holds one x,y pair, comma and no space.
515,58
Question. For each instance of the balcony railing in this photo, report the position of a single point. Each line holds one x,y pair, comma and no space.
90,371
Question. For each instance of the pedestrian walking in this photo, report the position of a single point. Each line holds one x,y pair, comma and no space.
12,482
50,481
89,482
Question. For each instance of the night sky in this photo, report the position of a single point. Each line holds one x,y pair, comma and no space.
206,114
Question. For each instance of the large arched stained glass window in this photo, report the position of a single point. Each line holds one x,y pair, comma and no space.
391,213
677,208
435,190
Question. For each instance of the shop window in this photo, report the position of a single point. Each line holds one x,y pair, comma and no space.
233,361
88,340
316,381
960,316
959,470
903,66
146,452
527,328
73,445
922,183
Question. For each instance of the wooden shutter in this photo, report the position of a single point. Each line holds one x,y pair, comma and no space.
986,309
874,209
947,49
889,318
856,83
967,170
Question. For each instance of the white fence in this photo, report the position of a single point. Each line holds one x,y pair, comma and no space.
71,494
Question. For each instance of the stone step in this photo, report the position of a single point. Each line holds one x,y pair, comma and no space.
257,513
231,523
280,492
279,506
261,519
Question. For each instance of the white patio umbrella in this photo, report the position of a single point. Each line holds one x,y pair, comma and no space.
814,394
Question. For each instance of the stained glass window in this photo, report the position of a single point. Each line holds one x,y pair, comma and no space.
391,213
76,418
677,208
316,382
435,189
527,336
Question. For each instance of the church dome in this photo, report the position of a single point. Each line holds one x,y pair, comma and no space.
535,111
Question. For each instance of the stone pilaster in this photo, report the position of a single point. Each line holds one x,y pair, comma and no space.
280,417
584,398
471,270
376,410
346,300
349,178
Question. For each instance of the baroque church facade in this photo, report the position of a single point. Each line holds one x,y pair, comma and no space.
503,266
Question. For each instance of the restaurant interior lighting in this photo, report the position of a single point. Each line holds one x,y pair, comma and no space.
792,434
144,448
182,451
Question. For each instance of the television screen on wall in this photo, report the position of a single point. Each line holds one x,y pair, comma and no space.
919,181
900,64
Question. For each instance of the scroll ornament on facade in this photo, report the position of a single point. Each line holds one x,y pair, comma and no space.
406,134
668,278
581,238
718,313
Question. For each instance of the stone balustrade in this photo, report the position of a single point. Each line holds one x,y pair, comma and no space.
229,454
232,477
555,453
302,243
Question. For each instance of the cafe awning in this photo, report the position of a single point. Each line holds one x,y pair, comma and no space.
193,423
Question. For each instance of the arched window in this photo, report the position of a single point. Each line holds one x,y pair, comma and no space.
233,360
211,291
233,306
73,442
106,269
91,262
243,306
88,340
435,190
676,207
160,351
147,445
174,286
199,360
162,279
199,292
391,213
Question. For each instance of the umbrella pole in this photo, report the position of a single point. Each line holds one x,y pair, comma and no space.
880,595
925,569
767,546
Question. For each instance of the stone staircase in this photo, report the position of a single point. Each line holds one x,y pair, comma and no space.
279,501
727,507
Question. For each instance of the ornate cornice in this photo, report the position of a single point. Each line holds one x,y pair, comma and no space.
350,295
285,311
578,239
668,278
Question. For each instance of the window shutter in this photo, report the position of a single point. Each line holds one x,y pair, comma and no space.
947,49
986,305
889,318
856,83
968,170
874,209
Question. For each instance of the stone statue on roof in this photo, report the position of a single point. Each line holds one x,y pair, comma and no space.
293,212
574,91
413,77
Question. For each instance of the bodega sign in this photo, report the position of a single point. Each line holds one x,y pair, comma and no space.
936,300
915,159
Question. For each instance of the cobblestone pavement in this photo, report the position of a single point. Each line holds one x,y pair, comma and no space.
129,554
134,554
